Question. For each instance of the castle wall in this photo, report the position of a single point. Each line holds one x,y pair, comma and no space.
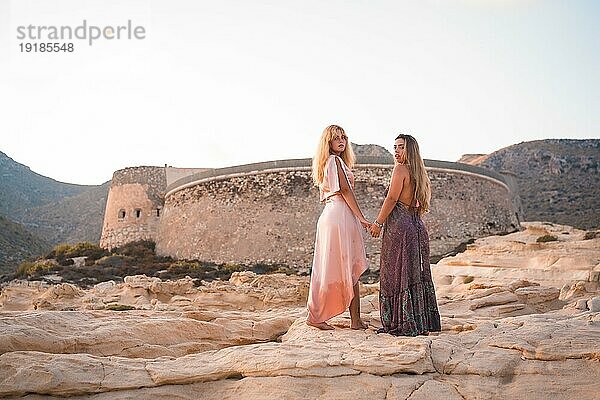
134,206
270,215
174,174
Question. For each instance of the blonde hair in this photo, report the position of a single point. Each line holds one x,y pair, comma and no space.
323,152
418,173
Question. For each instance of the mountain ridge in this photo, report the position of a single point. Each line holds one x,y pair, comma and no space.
558,178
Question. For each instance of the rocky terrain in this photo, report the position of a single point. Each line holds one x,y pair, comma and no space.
520,319
559,179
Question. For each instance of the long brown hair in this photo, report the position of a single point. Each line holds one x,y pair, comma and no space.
418,173
323,152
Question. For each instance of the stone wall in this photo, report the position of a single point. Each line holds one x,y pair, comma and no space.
174,174
270,215
134,206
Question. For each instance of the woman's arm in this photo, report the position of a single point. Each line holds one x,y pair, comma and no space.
399,174
348,194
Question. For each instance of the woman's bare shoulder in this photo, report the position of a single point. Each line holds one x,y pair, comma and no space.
339,161
400,170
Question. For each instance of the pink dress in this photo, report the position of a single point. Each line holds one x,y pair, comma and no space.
340,257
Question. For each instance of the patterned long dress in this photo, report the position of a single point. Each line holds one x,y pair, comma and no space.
407,300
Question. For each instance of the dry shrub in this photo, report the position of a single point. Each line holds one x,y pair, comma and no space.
546,238
29,268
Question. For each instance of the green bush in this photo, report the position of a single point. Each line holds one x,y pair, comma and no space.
89,250
285,270
591,235
468,279
140,251
28,268
231,268
59,250
546,238
183,265
113,261
82,249
119,307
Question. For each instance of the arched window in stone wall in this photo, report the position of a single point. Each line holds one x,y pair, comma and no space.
138,212
158,212
121,214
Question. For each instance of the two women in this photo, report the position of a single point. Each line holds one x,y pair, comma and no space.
407,297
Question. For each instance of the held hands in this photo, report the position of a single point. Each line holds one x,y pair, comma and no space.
375,230
365,224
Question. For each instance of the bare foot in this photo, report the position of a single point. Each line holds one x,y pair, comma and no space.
358,325
324,326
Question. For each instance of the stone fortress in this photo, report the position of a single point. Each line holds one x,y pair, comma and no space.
267,212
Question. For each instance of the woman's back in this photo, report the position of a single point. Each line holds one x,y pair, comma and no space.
407,194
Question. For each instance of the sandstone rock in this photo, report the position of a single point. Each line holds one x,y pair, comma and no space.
521,283
493,300
104,287
349,353
434,389
63,290
581,304
136,334
242,277
170,288
68,374
504,309
140,281
538,294
577,289
247,338
517,256
369,303
594,304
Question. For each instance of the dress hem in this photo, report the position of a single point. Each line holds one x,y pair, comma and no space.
366,267
407,322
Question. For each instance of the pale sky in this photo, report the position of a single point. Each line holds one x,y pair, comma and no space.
220,83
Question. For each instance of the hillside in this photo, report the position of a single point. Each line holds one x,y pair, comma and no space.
39,212
17,244
72,219
21,189
558,178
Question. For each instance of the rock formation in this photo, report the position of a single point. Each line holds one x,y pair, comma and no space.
508,332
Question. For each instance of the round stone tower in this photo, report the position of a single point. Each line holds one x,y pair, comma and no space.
134,206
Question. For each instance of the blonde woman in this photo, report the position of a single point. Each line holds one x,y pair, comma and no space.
407,300
339,258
